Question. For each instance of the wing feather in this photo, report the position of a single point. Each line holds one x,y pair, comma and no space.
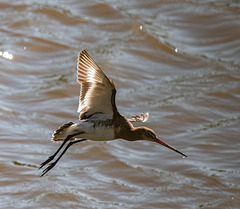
97,95
139,118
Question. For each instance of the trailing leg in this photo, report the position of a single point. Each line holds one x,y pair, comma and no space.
51,165
64,133
53,156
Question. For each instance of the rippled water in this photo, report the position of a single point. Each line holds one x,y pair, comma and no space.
178,60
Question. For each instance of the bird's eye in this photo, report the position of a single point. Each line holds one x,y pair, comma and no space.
149,134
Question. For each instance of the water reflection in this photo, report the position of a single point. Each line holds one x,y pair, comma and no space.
6,55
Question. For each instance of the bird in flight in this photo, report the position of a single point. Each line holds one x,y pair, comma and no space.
99,118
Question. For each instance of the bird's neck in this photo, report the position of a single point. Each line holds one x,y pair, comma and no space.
135,134
131,134
125,130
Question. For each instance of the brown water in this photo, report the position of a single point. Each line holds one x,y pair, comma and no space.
179,60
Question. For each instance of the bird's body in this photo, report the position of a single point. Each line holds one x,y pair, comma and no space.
99,118
99,130
88,129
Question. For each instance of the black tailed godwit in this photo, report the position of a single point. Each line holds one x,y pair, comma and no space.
99,118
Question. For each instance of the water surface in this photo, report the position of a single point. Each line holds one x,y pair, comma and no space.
178,60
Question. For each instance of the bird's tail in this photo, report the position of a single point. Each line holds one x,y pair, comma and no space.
62,132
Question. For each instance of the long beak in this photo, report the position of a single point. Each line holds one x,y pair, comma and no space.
169,147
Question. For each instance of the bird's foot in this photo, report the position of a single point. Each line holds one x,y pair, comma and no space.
46,162
50,166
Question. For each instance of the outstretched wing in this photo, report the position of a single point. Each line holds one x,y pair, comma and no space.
97,94
139,118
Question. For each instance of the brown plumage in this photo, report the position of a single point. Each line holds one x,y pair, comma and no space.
99,117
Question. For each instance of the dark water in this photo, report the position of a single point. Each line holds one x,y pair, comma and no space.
178,60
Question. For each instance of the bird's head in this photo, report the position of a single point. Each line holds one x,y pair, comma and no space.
148,134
